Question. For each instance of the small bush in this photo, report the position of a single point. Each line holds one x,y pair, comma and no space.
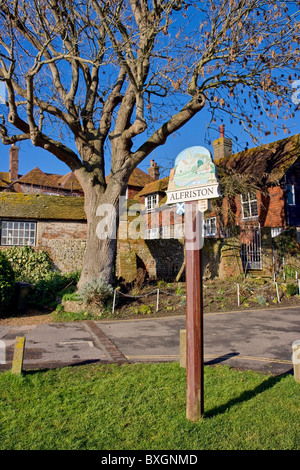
29,265
96,291
291,289
143,310
7,284
261,300
45,291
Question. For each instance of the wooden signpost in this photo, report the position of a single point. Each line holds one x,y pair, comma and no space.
193,181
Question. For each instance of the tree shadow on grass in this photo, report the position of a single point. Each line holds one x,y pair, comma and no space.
247,395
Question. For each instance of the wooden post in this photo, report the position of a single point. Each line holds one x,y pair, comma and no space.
182,359
114,301
18,357
194,328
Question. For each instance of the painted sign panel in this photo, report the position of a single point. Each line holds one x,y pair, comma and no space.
194,177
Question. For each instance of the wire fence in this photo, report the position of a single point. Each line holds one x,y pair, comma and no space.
238,287
156,292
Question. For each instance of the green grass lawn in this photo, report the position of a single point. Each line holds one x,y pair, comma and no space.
142,406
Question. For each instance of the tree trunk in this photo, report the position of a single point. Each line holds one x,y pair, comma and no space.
102,212
99,257
102,225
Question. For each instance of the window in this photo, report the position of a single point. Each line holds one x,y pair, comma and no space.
249,205
290,194
18,233
151,201
210,227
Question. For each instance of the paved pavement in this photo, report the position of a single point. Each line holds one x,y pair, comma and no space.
258,339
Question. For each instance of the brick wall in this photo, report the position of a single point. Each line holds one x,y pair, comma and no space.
272,208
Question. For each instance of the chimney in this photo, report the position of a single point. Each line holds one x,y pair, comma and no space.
222,146
153,171
13,163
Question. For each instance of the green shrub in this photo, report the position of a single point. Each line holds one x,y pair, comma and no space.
143,310
46,291
7,284
29,265
291,289
96,291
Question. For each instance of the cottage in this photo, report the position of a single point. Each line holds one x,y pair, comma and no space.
54,223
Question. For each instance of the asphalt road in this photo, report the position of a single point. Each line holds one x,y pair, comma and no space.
258,339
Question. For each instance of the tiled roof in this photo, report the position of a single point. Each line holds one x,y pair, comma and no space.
155,187
269,161
138,178
41,206
69,181
36,177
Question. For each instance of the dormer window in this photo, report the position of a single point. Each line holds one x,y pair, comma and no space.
151,201
249,205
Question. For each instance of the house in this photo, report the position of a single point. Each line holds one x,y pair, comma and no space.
261,211
38,182
272,205
277,168
53,223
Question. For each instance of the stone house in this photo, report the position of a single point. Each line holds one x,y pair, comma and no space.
53,223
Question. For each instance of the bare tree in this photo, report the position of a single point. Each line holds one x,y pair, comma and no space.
119,77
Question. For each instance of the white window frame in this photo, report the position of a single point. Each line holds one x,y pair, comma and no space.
210,227
250,199
291,188
18,233
151,201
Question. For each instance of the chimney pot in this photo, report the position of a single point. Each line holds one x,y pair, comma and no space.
153,171
222,146
222,130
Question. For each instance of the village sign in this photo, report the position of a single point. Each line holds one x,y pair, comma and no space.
193,178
